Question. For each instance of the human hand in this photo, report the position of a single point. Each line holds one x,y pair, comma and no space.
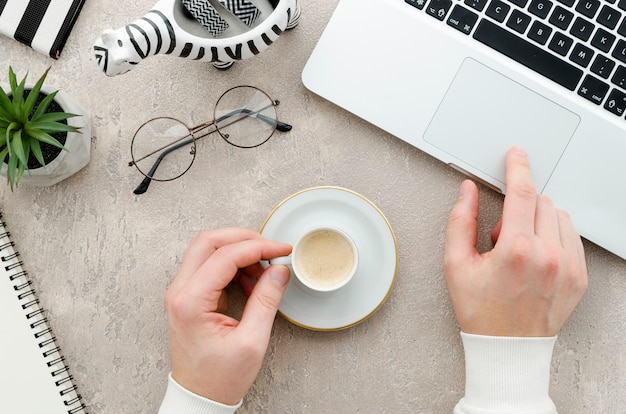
214,355
535,275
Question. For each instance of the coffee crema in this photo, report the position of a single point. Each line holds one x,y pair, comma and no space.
325,258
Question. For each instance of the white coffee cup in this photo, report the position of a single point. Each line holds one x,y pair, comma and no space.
323,259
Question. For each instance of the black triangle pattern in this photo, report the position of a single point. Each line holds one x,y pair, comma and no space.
245,10
206,14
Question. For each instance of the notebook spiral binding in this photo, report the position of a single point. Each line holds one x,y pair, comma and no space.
38,322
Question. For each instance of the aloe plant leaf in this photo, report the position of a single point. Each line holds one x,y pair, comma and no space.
20,173
53,117
3,155
50,127
31,100
36,151
6,107
12,166
8,137
18,147
12,79
18,100
43,105
47,138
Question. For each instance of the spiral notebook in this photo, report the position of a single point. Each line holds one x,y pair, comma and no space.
44,25
35,378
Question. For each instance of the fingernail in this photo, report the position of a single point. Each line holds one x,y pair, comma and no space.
279,275
520,151
464,189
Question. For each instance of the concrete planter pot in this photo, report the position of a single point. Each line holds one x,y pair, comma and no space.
78,146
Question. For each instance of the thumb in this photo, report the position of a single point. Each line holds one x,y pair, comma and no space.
462,231
262,305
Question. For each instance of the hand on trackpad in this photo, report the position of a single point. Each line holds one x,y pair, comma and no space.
485,113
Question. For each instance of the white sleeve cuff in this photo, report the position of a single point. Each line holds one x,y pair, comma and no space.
179,400
506,375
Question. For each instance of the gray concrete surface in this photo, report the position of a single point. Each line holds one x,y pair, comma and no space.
102,257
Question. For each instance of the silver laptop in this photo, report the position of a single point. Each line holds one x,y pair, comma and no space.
464,80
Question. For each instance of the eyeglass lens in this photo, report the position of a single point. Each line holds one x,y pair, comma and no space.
245,117
163,149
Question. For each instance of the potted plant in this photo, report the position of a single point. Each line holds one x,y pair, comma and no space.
45,135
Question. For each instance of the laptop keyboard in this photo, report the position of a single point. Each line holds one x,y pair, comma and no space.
579,44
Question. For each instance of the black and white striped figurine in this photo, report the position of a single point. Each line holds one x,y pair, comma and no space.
169,29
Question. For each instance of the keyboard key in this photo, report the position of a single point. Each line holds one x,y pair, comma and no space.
619,78
476,4
620,51
498,10
569,3
593,89
539,32
581,55
560,44
561,17
527,54
540,8
519,3
616,102
438,8
622,4
609,17
518,21
462,19
582,29
417,3
588,7
602,66
603,40
622,28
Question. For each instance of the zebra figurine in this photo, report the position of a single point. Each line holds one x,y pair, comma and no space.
170,30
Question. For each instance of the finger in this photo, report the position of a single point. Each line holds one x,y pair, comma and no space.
255,270
495,233
248,277
262,305
572,243
518,213
570,239
220,269
546,220
247,283
204,244
462,231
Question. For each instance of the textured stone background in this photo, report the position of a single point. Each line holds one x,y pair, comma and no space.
102,257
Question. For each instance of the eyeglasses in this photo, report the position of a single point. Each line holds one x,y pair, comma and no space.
163,149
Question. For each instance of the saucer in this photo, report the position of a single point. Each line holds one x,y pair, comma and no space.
375,241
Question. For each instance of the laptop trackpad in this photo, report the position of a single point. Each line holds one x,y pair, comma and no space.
484,113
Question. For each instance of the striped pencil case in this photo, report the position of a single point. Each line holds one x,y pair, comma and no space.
43,25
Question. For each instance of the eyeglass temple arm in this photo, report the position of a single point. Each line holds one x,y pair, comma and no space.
281,126
143,186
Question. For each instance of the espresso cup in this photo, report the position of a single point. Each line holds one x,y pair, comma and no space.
323,259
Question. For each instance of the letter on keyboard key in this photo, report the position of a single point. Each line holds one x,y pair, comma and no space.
620,51
527,54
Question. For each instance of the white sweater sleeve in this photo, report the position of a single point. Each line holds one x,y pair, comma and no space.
179,400
506,375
